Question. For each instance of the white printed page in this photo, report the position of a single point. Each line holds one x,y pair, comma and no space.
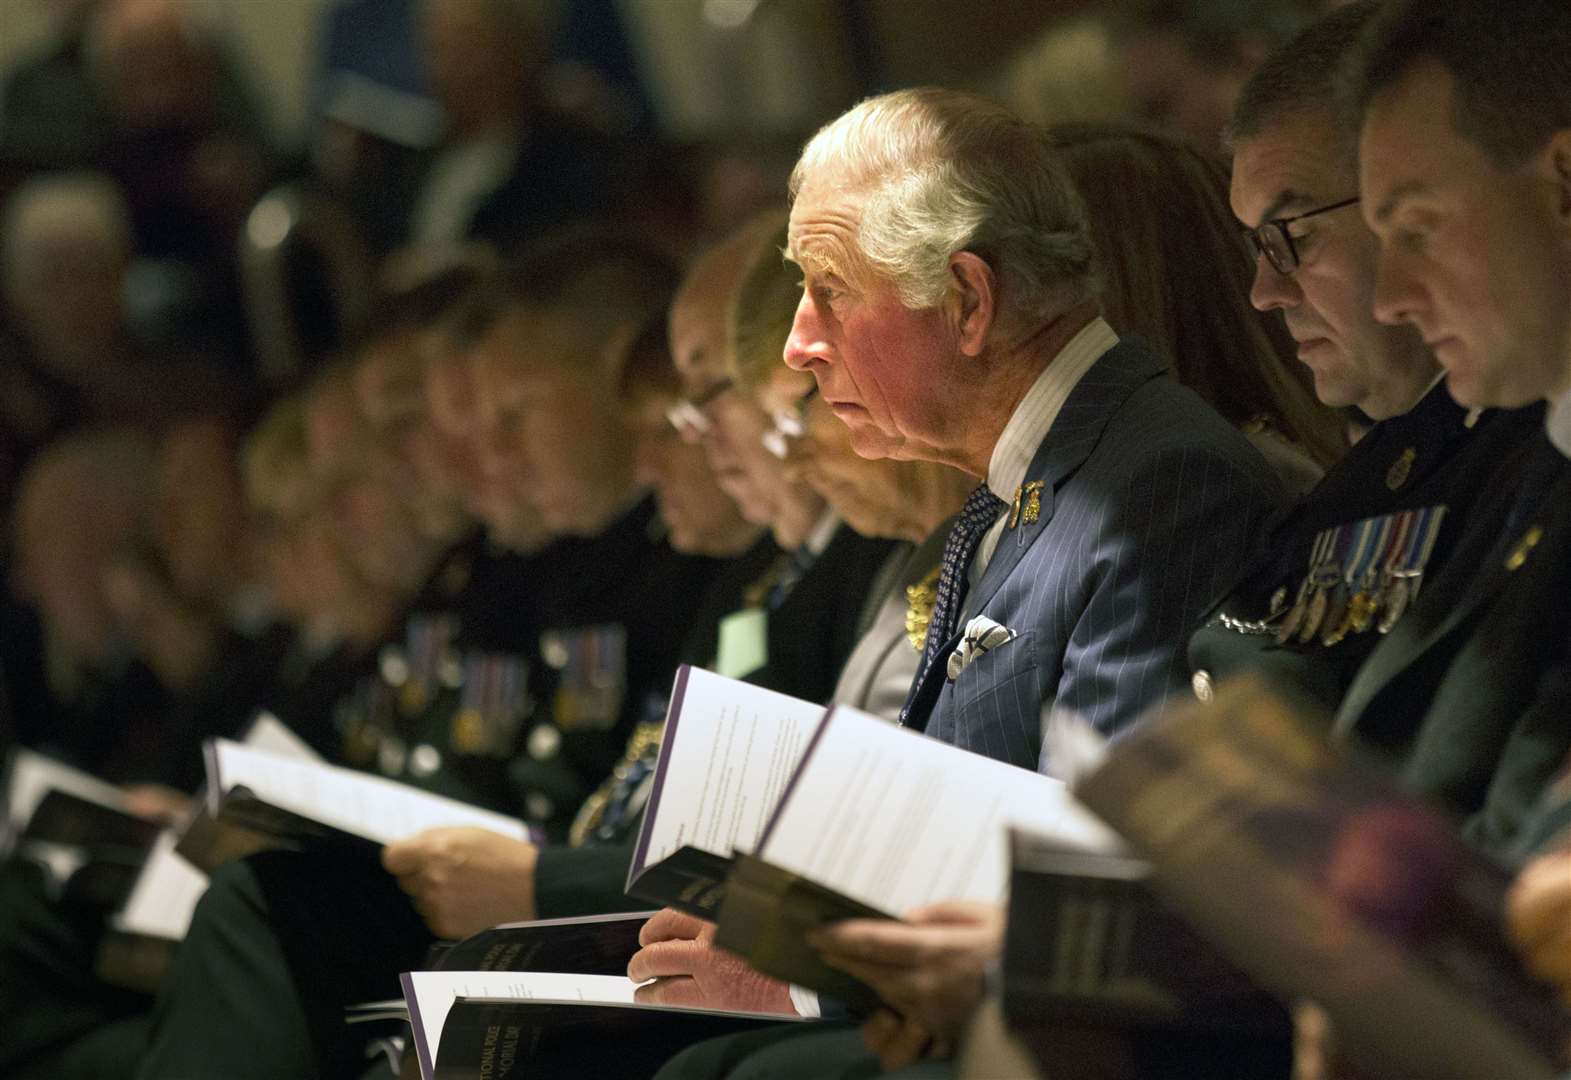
31,776
165,893
367,806
430,996
896,820
729,750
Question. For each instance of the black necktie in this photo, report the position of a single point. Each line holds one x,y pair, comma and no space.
976,517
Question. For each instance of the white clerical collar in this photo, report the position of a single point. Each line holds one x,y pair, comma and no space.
1033,418
1557,423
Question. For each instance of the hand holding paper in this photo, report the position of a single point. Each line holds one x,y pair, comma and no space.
928,968
464,879
898,1041
1538,915
689,970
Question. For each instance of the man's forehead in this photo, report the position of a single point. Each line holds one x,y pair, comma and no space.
1294,163
1408,141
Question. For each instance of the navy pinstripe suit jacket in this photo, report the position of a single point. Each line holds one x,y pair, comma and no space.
1150,503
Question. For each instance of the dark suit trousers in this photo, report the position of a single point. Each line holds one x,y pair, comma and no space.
57,1020
280,944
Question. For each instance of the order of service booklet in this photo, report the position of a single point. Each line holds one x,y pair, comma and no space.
473,1024
1089,938
878,820
259,799
728,750
1316,875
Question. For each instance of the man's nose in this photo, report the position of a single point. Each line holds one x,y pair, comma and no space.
805,345
1273,289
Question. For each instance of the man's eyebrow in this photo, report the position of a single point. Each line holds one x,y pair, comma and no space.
1389,204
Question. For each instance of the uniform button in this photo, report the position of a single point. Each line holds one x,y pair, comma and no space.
1204,690
425,760
538,807
544,742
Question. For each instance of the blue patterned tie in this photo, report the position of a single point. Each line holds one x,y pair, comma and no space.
976,517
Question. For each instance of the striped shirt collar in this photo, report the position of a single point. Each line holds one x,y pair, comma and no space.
1033,417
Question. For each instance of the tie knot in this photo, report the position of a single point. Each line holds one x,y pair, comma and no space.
981,508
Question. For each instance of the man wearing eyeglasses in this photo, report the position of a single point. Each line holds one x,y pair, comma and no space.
1340,570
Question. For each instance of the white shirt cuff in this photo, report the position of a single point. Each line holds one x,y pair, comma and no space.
805,1002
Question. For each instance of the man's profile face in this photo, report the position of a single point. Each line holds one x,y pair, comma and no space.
548,419
702,518
1293,166
880,366
1471,255
736,425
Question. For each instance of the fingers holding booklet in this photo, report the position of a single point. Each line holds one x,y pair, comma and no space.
678,963
464,878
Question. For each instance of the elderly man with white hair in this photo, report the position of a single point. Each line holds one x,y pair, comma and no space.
949,313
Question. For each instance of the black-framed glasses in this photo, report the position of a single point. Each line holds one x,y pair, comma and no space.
1273,239
687,415
787,425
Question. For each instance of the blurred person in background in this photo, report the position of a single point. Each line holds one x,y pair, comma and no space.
81,503
508,169
1183,61
68,356
185,143
803,619
1177,276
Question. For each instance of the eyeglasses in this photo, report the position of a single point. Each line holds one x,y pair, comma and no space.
788,424
1273,240
688,416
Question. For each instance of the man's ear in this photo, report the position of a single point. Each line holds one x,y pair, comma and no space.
1558,158
976,287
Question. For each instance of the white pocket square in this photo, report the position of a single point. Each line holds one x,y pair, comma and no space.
982,634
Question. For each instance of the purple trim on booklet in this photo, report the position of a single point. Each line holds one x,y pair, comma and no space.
807,755
215,784
667,739
423,1050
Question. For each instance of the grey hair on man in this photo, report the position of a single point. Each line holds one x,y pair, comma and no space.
939,171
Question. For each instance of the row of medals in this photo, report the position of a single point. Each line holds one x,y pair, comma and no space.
1330,605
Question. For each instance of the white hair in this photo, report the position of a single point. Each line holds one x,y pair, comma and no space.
940,172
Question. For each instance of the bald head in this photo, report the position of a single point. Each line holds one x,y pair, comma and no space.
700,313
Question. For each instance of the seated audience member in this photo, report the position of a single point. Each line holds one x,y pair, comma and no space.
509,169
1176,279
543,376
1165,219
67,354
1418,478
908,501
806,609
1465,138
90,701
1184,61
999,364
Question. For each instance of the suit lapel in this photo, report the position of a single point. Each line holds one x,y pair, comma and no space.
1075,432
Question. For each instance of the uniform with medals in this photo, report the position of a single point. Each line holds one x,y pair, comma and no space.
1468,698
1338,571
805,609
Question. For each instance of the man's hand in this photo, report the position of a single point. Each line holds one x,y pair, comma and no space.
465,879
158,803
928,968
897,1041
1538,916
679,953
